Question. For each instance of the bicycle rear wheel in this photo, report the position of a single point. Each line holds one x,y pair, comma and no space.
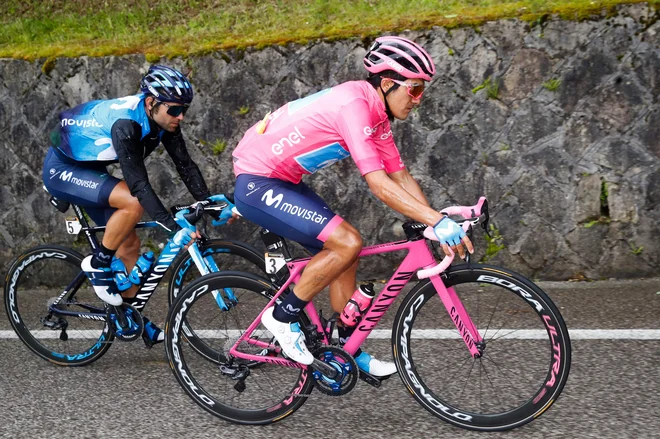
34,281
271,391
526,349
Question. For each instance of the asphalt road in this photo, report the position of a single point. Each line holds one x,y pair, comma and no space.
613,390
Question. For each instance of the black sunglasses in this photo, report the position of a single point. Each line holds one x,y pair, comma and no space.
175,110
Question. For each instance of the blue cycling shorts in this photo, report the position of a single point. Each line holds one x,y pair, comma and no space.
293,211
86,184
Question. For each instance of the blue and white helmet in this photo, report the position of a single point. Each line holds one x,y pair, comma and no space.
167,85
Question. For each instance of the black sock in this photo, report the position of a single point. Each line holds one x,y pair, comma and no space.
130,300
133,301
102,257
344,332
288,310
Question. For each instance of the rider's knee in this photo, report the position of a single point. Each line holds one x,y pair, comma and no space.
134,207
354,243
121,199
131,206
346,240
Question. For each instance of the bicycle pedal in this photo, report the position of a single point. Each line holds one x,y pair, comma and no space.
372,380
329,326
239,386
148,343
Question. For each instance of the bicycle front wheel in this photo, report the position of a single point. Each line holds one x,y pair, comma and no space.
267,392
38,278
226,253
526,350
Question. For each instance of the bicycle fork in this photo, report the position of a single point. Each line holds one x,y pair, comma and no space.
460,317
207,265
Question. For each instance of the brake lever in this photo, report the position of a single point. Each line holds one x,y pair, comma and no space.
202,230
484,223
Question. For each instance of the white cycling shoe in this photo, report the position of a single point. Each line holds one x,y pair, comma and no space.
375,367
103,283
289,336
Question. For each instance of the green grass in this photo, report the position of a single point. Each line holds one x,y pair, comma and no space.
495,243
32,29
492,87
552,84
216,146
635,249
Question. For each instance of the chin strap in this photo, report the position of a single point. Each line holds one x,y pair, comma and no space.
390,116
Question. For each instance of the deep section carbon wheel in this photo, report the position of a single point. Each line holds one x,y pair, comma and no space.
234,389
525,352
53,308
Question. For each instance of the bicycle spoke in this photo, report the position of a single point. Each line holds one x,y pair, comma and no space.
491,317
506,385
458,372
504,373
64,335
497,395
263,386
467,378
521,372
503,336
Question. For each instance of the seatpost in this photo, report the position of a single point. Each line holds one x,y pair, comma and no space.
275,243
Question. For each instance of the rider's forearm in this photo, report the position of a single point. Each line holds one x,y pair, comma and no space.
399,199
412,187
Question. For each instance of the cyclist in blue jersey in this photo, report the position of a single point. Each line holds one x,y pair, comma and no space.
125,130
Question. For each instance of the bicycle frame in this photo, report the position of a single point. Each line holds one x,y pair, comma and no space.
152,277
419,256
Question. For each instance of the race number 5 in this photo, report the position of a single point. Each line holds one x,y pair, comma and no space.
73,226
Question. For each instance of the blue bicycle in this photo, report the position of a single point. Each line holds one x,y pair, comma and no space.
52,306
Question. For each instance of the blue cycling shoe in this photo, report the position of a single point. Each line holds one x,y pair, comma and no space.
152,334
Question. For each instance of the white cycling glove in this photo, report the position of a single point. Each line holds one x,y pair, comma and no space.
182,237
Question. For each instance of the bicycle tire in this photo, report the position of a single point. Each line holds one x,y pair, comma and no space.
204,381
34,279
523,327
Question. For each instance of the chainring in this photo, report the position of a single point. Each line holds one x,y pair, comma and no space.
135,326
345,366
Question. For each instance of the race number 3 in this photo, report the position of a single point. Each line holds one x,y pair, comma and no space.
274,261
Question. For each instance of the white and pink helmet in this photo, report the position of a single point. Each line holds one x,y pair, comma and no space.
399,55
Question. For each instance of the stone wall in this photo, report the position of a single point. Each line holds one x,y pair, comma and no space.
563,139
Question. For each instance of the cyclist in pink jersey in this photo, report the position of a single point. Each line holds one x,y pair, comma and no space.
303,136
314,132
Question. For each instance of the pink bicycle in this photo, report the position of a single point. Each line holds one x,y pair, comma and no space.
493,353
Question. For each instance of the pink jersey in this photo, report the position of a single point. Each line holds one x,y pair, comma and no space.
311,133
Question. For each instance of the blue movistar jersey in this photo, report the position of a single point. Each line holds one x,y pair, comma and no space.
119,130
85,130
